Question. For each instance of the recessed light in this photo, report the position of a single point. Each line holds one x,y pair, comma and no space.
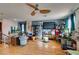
15,19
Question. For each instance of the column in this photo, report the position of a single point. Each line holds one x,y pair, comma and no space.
29,26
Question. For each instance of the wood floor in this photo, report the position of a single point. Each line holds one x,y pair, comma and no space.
33,48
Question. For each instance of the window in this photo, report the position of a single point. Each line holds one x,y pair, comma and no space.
22,27
69,24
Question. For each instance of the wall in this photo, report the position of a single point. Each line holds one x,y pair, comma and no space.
6,25
77,20
77,25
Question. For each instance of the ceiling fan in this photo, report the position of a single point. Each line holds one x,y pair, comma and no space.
35,7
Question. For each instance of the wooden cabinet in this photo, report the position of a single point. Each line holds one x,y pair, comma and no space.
15,41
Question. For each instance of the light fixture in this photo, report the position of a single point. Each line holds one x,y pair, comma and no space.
36,11
15,19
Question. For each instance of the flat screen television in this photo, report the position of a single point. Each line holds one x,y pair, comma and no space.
48,25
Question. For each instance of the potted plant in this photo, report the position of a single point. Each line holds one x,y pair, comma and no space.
69,39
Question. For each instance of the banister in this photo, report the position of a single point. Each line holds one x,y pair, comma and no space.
4,34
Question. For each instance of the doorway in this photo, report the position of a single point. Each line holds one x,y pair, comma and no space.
22,26
0,32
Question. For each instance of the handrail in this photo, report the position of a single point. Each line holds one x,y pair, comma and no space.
2,38
4,34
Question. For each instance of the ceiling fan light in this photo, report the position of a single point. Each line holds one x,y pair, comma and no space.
36,11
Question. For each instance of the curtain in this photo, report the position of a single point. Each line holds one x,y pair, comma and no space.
69,24
72,22
11,29
66,23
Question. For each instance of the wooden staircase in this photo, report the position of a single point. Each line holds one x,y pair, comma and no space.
4,39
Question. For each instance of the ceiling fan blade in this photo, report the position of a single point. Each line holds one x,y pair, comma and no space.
44,11
33,13
76,9
34,7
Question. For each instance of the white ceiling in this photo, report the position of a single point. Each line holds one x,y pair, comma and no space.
21,11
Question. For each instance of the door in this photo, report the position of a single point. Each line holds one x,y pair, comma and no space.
0,32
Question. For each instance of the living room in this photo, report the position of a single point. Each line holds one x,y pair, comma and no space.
39,26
